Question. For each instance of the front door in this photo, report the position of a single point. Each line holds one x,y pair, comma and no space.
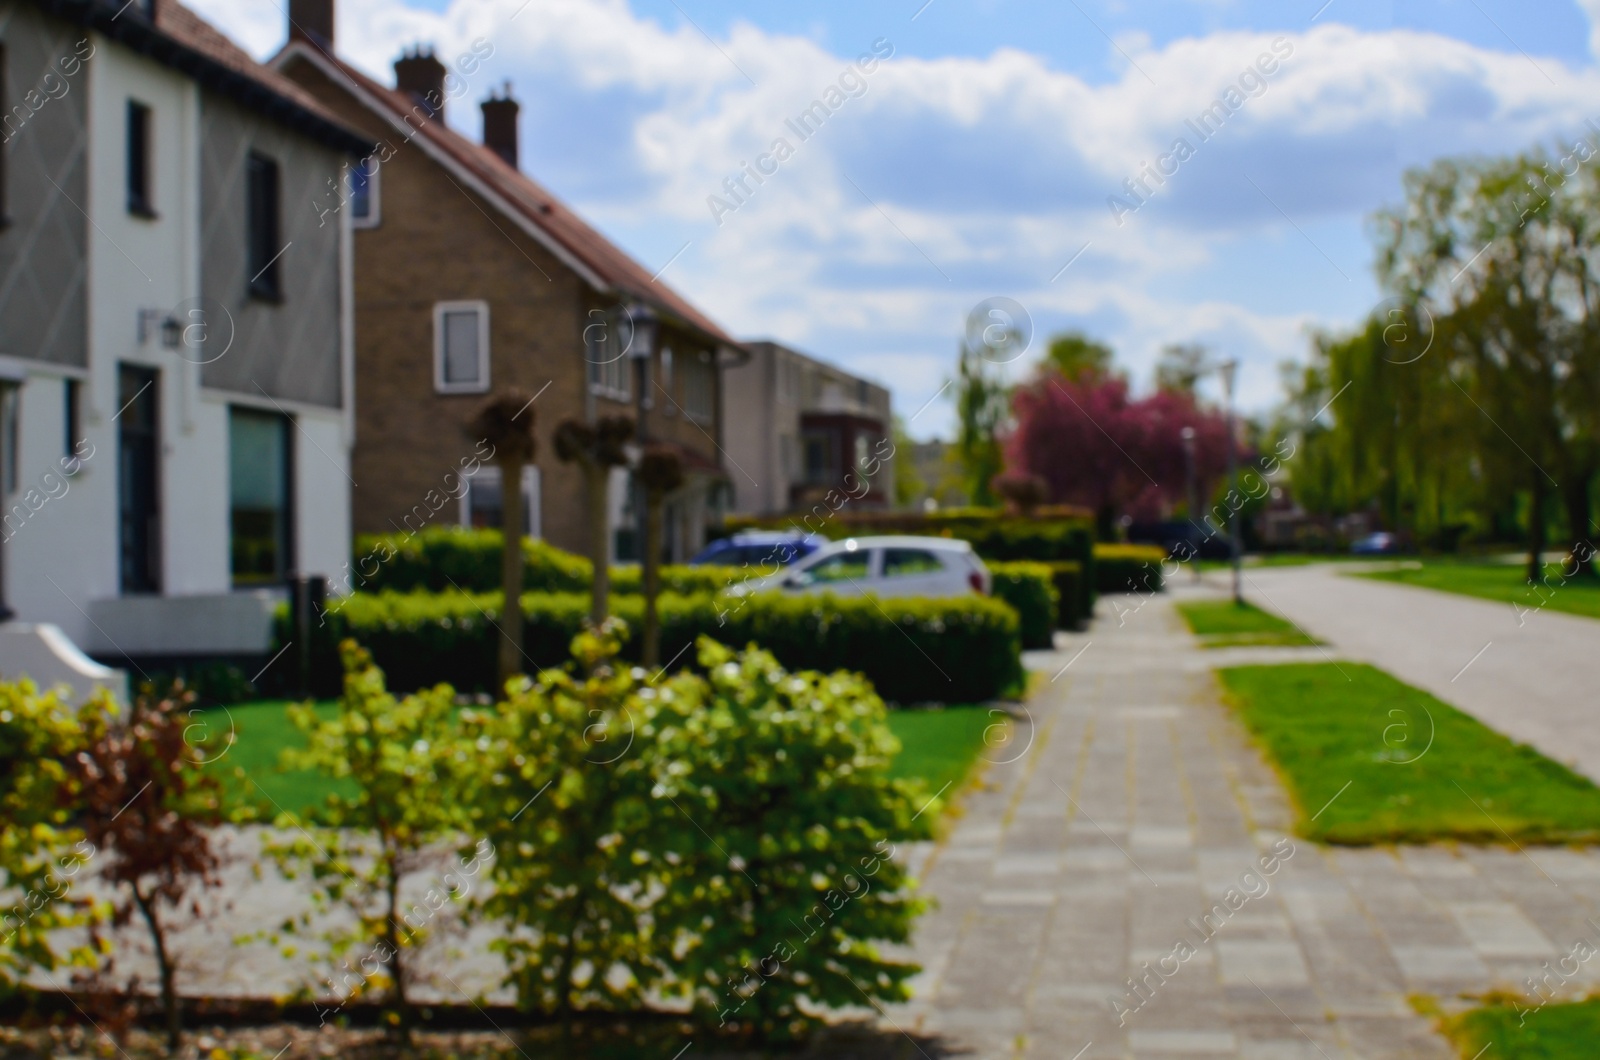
138,479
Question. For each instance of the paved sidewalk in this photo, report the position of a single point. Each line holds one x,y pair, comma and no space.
1134,803
1534,681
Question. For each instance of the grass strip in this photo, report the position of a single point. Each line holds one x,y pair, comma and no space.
1369,759
1225,624
1553,1032
1502,583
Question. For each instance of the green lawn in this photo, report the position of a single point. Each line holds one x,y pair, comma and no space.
1368,759
1503,583
1225,624
261,732
1554,1032
938,745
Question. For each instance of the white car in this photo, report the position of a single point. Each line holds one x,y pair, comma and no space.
882,566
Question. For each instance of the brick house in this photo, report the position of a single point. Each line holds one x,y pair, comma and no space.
471,277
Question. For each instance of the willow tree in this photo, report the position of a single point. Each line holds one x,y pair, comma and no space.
1502,254
505,420
596,449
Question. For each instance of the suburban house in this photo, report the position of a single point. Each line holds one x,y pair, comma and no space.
800,428
175,338
471,278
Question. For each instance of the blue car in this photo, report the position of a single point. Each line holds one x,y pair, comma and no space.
757,549
1379,544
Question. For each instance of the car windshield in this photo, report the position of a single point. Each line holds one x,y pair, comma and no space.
901,562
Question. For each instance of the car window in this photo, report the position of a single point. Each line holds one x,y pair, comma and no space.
903,562
841,567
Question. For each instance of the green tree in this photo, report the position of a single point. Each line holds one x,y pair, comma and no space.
1079,358
983,402
1180,366
412,774
908,484
1501,253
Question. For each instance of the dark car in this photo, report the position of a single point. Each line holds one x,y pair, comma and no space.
757,549
1379,544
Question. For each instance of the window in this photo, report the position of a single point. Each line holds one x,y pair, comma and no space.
610,372
820,464
461,347
482,505
699,386
841,567
263,249
10,409
140,195
666,380
72,393
138,479
904,562
362,189
260,474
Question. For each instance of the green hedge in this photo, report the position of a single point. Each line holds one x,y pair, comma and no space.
1076,600
444,559
960,650
1128,568
1031,592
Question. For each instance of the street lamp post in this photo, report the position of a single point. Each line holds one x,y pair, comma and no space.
1187,434
641,351
1228,370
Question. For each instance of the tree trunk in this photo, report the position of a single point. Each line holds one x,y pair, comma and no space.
391,939
169,974
597,477
652,580
1536,529
511,518
1575,495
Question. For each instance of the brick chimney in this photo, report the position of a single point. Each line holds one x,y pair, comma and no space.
312,20
500,124
421,76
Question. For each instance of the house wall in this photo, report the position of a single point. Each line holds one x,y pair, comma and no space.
61,556
44,242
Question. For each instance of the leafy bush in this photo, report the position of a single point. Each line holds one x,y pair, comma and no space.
1031,592
38,734
1128,568
410,769
961,650
723,839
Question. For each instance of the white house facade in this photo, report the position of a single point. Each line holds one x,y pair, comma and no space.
175,335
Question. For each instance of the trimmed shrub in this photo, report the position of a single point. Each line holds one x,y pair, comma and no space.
1128,568
1076,604
443,559
1030,590
960,650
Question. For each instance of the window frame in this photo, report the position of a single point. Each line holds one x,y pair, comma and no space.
610,370
287,543
138,133
265,281
440,311
699,369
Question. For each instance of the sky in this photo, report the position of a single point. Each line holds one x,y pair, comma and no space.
975,150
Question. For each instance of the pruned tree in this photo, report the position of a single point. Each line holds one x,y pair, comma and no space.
660,474
149,809
596,449
505,421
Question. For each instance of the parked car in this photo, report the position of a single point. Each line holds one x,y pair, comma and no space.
883,566
757,548
1379,544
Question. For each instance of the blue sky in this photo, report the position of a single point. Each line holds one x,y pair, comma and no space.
982,156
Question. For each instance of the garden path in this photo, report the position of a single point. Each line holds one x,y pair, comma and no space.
1127,805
